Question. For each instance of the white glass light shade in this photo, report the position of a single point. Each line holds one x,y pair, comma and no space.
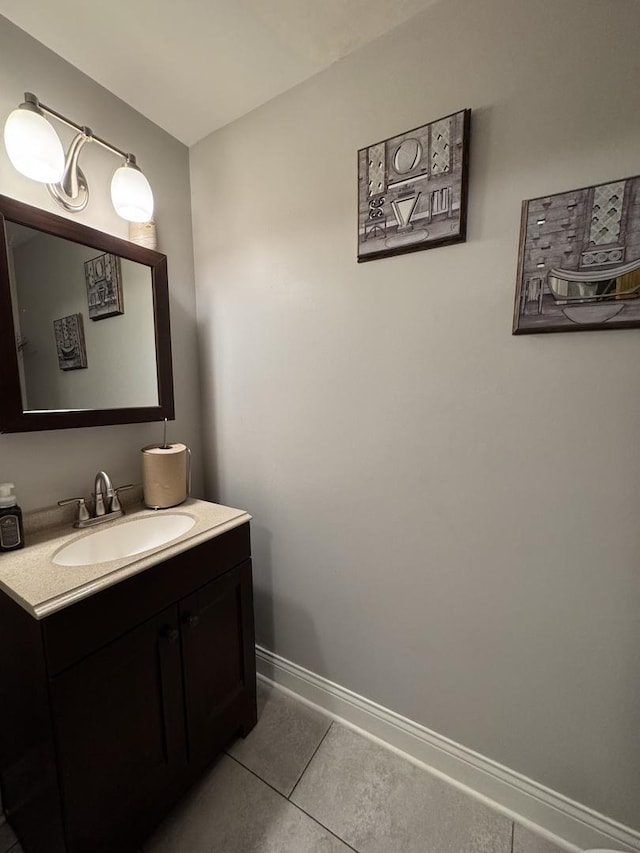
131,194
34,147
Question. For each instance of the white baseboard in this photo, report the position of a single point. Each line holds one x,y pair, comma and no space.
569,824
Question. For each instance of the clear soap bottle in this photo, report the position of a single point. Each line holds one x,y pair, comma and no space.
11,529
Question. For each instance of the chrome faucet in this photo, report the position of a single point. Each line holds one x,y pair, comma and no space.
107,504
103,488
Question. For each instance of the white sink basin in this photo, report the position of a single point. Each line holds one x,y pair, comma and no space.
124,540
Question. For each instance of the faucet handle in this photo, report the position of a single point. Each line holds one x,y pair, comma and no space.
83,512
115,502
124,488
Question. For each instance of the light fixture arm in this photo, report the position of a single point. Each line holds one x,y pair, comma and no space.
30,98
72,192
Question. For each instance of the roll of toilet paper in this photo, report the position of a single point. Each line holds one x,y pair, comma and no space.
165,475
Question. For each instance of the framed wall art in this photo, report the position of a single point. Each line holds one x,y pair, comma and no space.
104,287
70,344
579,260
412,189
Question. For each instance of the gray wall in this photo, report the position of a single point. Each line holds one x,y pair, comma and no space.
52,465
445,516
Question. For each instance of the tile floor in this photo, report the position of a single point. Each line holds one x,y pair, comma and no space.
301,783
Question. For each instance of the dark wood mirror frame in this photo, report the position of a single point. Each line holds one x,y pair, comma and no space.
12,416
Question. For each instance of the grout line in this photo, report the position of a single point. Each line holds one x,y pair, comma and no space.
310,760
513,835
295,805
326,828
253,773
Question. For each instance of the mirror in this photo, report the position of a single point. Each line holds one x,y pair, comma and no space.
84,326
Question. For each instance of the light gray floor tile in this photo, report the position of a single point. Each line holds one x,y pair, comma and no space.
7,837
232,811
284,739
380,803
525,841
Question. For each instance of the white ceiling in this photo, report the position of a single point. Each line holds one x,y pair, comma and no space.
194,66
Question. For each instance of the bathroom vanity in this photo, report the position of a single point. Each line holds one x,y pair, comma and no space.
121,681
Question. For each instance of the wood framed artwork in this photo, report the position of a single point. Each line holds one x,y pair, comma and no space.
104,287
70,344
579,260
412,189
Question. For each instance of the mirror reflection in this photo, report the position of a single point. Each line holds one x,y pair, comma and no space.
84,323
587,287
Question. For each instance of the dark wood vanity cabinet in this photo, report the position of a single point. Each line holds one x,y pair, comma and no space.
117,703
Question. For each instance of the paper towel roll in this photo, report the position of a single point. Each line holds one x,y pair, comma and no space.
165,475
144,234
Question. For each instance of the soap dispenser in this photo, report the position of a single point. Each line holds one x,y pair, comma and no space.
11,530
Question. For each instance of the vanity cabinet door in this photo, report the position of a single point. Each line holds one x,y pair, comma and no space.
218,649
120,733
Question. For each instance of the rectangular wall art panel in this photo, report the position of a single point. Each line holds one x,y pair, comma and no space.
412,189
70,344
579,264
104,287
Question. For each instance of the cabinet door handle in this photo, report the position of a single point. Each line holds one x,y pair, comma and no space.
192,620
170,634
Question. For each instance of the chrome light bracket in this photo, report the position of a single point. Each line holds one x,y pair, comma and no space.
72,192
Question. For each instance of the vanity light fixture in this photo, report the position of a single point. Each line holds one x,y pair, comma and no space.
36,151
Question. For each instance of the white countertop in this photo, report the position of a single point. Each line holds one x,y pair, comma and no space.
34,581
